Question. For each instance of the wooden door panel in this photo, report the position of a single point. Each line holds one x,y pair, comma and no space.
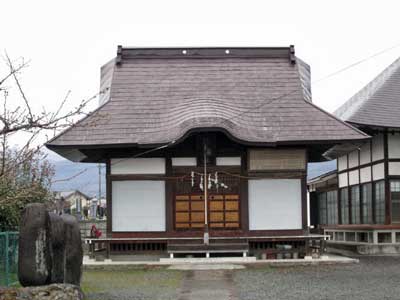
182,217
221,213
216,205
197,225
216,216
217,225
182,225
232,225
182,206
197,206
232,216
232,205
197,217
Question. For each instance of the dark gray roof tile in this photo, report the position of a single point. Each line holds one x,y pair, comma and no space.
378,103
256,98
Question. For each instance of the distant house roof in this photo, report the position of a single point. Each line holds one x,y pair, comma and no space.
68,194
156,96
378,103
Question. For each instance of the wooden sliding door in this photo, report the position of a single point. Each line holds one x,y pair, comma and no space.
223,206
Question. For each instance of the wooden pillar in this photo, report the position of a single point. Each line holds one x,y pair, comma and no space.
373,190
304,215
244,194
388,200
349,200
169,201
109,198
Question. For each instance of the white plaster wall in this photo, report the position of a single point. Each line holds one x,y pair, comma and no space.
377,147
354,177
365,153
365,174
353,159
228,161
275,204
138,206
394,168
343,180
137,166
184,161
378,171
342,163
394,145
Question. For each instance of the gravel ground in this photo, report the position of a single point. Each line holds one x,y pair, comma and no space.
373,278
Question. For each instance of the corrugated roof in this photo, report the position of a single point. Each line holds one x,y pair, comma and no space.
257,95
378,103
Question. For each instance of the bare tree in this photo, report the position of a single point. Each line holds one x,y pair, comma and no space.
25,174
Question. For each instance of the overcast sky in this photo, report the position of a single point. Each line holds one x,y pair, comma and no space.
68,41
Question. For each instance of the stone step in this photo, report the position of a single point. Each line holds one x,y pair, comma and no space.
220,247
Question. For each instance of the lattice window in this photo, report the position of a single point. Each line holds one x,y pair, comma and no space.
380,202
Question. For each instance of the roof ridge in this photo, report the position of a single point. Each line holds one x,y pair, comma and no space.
205,52
351,106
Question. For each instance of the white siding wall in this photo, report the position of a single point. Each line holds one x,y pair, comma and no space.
138,206
228,161
353,159
343,180
342,163
275,204
378,171
184,161
377,147
394,168
138,166
365,174
365,153
354,177
394,145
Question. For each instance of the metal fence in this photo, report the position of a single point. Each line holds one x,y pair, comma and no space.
8,258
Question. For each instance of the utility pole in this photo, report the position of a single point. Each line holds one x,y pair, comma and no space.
206,234
99,203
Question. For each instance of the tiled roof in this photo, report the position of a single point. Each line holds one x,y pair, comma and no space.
257,95
378,103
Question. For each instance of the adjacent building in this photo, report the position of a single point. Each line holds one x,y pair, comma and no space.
359,204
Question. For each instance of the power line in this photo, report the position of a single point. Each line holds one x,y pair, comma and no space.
357,63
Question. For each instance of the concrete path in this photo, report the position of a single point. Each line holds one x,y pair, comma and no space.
206,285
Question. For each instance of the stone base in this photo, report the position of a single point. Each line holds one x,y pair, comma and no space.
205,260
45,292
364,249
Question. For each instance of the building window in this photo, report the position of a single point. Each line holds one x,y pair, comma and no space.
366,203
322,208
395,196
332,205
355,204
344,205
380,202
